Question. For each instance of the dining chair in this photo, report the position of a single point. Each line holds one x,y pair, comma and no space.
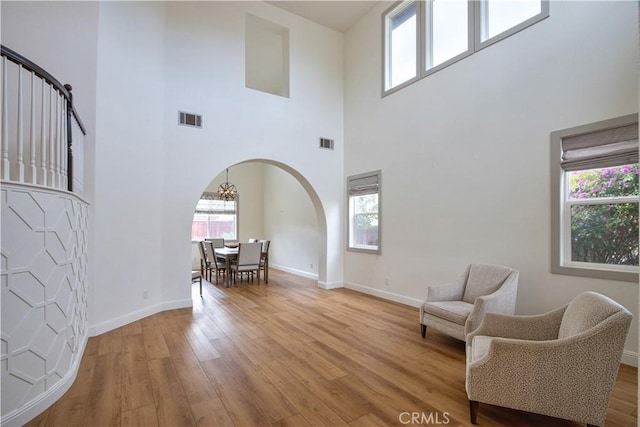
264,259
248,260
205,264
196,275
216,268
218,242
252,240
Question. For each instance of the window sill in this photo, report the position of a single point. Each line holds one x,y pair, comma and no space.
364,249
595,272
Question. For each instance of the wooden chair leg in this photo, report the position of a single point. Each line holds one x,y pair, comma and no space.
423,330
473,411
200,285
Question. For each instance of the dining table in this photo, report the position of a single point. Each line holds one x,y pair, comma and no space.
227,254
230,253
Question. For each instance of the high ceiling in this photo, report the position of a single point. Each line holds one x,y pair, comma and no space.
339,15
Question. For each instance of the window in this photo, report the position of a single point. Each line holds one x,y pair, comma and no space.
424,36
401,28
215,218
364,212
595,200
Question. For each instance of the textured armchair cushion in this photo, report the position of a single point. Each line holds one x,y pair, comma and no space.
479,347
484,280
453,311
583,313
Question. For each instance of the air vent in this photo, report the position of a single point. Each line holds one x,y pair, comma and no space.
326,143
189,119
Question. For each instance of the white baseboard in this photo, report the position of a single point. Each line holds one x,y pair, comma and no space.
294,271
630,358
330,285
413,302
32,409
109,325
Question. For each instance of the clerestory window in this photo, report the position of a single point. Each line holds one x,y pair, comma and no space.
424,36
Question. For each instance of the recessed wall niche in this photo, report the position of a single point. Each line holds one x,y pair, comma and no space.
266,56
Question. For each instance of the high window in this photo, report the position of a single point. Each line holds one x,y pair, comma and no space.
595,200
424,36
364,212
215,218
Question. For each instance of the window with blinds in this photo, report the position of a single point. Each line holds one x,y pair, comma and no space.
214,218
364,212
595,199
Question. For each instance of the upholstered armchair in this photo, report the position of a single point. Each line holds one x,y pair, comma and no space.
562,363
458,308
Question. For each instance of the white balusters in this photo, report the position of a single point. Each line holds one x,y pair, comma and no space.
34,128
43,137
56,144
20,151
51,176
6,169
63,148
32,131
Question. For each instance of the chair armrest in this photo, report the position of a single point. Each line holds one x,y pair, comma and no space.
502,300
449,292
536,327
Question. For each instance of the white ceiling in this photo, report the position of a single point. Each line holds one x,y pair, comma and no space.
339,15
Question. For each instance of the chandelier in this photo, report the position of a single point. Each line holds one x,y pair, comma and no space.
226,190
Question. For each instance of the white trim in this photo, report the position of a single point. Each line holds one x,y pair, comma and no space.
412,302
112,324
40,403
629,358
294,271
330,285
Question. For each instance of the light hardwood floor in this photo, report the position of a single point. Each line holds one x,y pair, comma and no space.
285,354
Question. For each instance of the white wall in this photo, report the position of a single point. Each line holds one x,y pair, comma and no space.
129,165
464,152
291,223
241,124
190,57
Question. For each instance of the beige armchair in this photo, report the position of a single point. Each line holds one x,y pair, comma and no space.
458,308
562,363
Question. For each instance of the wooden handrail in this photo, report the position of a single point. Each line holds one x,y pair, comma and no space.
29,65
64,91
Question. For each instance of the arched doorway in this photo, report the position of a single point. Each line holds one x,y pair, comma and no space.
278,203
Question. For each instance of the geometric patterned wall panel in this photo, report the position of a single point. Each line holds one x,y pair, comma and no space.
44,290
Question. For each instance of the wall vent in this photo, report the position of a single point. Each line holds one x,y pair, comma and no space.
189,119
326,143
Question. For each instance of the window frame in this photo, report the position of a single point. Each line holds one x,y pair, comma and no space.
236,212
386,59
561,262
350,179
476,10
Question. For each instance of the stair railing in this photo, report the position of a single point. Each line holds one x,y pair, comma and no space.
40,127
